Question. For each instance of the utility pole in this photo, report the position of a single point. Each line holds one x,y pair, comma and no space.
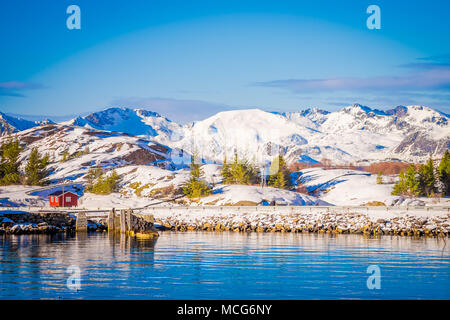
63,194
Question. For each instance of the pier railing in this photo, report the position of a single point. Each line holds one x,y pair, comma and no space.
91,212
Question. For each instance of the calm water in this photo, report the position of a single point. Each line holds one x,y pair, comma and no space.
223,266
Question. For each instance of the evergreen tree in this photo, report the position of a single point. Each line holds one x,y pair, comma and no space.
443,172
412,183
9,165
36,169
279,174
195,187
99,184
65,155
427,180
91,177
253,173
238,171
379,178
226,171
241,171
400,187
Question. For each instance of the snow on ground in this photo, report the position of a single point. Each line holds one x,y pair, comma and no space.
354,188
13,196
114,200
238,194
142,185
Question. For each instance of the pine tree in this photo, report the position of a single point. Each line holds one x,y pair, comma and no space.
400,187
379,178
65,155
9,165
36,169
253,172
91,177
226,172
443,172
427,179
239,172
195,187
412,183
279,174
99,184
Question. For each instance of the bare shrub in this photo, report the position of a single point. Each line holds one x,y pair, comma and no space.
386,168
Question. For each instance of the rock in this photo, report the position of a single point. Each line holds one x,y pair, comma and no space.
6,222
141,227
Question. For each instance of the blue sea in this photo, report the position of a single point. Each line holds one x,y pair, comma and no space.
227,265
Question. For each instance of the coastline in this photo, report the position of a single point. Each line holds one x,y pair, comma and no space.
366,221
307,221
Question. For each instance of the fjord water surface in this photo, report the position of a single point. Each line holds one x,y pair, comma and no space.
227,265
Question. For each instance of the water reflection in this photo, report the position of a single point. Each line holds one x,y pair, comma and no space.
223,266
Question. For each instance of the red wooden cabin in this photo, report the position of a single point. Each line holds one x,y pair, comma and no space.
66,199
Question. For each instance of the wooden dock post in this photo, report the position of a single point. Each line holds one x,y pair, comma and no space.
129,212
81,223
123,221
111,220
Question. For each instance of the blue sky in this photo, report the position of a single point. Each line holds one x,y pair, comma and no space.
190,59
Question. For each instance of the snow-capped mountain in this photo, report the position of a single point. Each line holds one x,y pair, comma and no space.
311,117
130,141
73,150
10,124
254,133
136,122
352,134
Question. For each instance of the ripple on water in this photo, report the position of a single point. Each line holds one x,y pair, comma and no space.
208,265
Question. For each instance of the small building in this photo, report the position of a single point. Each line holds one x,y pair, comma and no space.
66,199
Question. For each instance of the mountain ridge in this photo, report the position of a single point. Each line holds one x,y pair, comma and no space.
352,134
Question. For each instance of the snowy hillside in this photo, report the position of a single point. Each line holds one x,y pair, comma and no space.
352,134
355,188
9,124
136,122
254,133
255,195
73,150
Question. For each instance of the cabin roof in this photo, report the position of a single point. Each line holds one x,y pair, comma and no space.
58,193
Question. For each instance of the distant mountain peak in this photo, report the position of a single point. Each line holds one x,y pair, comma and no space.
10,124
313,110
356,107
136,122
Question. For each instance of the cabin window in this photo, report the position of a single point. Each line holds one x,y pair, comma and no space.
68,199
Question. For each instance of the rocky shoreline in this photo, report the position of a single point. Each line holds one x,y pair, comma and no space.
335,223
43,223
21,222
322,222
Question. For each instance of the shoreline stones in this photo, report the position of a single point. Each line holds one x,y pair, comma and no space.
42,223
135,225
335,223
